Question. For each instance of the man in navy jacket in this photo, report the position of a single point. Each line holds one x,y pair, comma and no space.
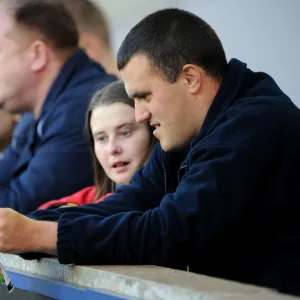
220,194
44,72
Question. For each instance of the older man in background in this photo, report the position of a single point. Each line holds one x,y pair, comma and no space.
94,38
46,76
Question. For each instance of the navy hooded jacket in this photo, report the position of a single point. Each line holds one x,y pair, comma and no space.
49,158
227,206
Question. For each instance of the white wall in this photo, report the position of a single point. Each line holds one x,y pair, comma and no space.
124,14
263,33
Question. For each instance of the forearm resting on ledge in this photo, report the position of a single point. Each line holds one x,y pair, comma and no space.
20,234
44,237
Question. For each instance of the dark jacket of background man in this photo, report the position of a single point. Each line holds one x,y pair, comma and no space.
49,158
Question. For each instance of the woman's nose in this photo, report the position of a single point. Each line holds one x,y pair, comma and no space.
114,147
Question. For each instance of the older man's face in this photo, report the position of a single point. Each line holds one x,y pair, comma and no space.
15,71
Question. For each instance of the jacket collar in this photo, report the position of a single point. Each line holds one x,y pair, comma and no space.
72,66
226,94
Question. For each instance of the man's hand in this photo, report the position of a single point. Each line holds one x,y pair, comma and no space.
15,231
19,234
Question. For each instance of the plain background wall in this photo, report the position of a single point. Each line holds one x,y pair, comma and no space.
263,33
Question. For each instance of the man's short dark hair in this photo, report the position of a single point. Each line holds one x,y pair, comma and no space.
51,19
171,38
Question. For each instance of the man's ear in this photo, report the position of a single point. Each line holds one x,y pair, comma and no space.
193,77
39,55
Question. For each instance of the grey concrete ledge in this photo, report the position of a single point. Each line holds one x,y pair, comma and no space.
139,282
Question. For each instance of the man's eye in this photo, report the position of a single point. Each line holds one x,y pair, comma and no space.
146,98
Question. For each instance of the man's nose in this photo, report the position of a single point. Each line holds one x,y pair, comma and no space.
141,114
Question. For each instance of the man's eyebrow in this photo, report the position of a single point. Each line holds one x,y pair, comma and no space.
139,95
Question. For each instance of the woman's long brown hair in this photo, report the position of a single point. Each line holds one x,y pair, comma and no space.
110,94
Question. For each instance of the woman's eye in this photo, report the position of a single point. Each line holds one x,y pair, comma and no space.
101,139
126,133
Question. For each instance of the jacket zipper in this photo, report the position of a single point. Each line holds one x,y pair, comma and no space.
178,173
165,172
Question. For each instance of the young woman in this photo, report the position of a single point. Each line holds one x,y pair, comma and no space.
119,145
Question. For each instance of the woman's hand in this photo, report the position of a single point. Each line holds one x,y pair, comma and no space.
19,234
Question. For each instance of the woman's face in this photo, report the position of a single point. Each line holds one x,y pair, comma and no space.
120,144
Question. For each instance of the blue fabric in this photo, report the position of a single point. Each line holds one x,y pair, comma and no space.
49,157
226,206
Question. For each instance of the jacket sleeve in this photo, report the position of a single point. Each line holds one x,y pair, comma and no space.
12,152
210,199
8,158
60,166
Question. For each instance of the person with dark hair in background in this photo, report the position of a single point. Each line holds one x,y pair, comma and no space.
94,36
44,73
219,195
